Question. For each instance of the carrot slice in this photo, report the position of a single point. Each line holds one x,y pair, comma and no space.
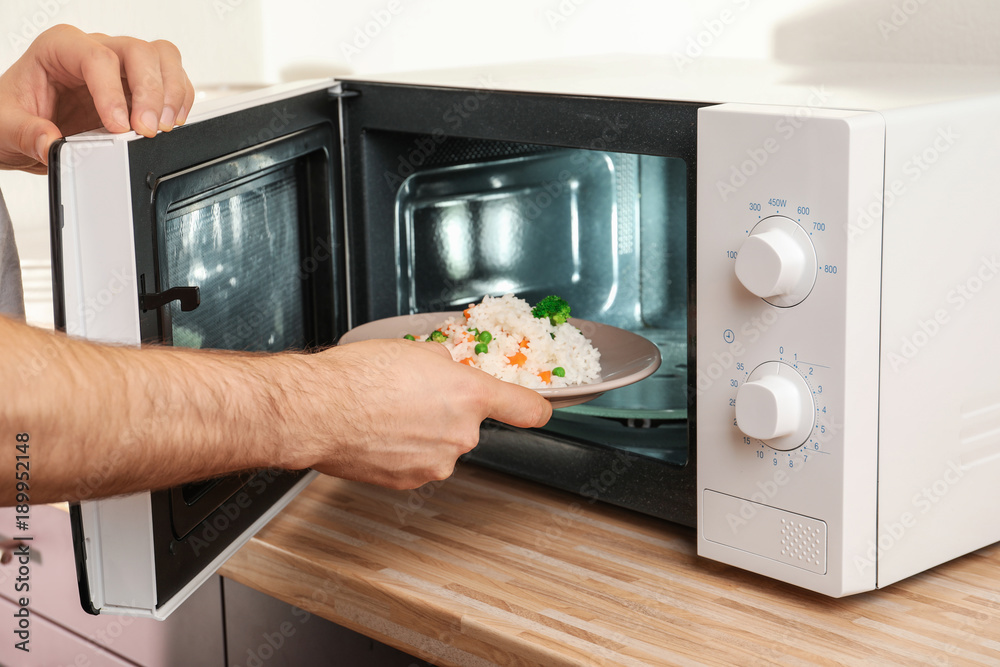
517,359
467,361
546,376
523,344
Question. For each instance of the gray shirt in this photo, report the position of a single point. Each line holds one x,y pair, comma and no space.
11,293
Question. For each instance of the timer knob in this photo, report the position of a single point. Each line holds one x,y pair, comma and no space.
777,261
775,405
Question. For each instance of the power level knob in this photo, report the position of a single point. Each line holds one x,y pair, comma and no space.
775,405
777,262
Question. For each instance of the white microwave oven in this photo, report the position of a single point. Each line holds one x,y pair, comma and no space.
812,251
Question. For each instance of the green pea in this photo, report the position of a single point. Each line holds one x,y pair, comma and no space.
482,348
484,337
409,337
437,336
559,371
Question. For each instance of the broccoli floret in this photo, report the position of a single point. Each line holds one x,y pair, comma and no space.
553,307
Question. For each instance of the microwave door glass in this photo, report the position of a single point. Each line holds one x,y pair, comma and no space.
246,232
242,250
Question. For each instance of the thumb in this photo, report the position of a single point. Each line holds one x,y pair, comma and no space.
34,135
518,406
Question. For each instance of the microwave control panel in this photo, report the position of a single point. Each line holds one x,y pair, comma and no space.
787,341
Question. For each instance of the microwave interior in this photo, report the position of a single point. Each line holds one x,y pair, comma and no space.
604,230
462,194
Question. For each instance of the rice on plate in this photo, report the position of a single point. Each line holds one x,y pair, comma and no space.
503,337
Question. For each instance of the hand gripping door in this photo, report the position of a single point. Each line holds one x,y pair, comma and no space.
223,233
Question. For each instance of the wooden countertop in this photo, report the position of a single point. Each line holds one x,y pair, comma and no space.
487,569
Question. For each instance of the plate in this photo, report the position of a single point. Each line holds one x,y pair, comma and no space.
626,357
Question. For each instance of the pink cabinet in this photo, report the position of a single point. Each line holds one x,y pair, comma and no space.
61,633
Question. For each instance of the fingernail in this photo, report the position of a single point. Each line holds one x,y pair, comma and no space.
120,117
42,149
150,120
167,119
182,116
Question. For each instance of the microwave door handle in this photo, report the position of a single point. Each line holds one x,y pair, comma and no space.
336,94
189,298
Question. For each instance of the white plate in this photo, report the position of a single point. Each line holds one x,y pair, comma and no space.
626,357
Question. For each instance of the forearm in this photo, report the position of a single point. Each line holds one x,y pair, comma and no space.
111,420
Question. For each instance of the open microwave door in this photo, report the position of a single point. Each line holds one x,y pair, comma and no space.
224,233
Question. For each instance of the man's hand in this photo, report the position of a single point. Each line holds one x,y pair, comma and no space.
119,420
68,81
399,413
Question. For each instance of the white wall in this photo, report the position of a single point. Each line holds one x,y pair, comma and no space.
421,34
193,25
254,42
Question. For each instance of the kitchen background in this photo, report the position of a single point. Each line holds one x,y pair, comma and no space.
230,45
233,44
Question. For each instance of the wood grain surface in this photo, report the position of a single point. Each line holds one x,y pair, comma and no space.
486,569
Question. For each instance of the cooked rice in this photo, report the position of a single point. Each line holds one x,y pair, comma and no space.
514,329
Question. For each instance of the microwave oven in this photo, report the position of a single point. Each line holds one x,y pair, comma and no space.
812,251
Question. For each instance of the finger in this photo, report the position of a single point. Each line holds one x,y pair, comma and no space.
189,95
178,93
140,62
518,406
86,59
33,135
437,347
